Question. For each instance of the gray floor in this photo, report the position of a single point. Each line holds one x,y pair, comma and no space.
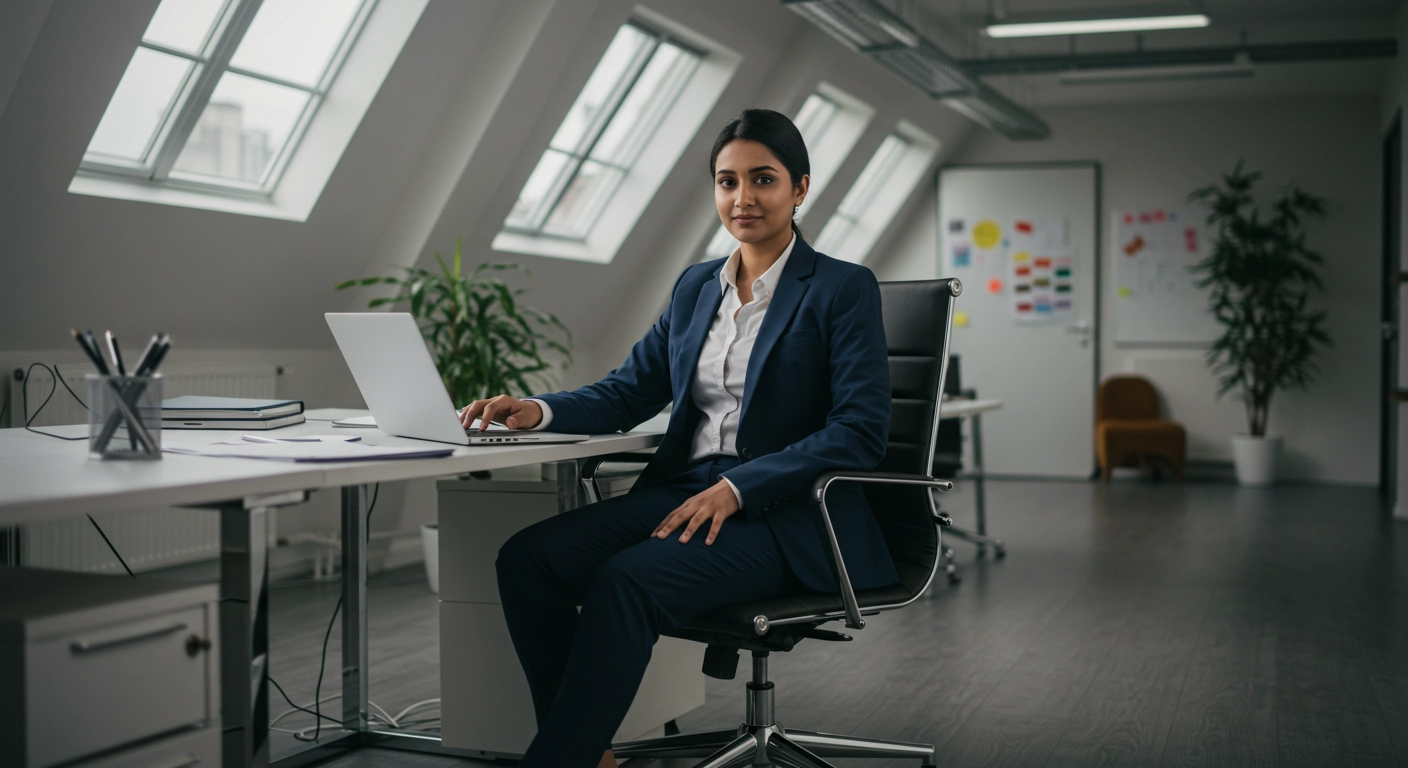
1135,624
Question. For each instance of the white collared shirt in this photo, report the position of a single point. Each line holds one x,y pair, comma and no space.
720,375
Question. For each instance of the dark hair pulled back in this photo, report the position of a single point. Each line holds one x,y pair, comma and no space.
771,129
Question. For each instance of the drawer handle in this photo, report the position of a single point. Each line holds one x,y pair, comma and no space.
185,761
85,646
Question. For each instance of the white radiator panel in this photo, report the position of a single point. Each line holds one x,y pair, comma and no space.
148,539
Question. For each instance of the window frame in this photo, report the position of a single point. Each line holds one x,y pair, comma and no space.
582,153
183,114
884,194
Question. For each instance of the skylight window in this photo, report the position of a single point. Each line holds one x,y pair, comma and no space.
878,194
219,92
830,121
617,113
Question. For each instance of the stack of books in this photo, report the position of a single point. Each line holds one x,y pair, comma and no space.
195,412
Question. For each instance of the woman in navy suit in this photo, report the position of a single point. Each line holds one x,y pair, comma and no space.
774,360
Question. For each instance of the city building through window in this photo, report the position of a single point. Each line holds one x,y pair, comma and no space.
219,92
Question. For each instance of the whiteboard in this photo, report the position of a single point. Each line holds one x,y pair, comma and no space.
1157,300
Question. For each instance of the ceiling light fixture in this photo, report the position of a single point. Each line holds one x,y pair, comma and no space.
1004,29
1240,66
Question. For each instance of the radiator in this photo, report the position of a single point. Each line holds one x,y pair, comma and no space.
146,539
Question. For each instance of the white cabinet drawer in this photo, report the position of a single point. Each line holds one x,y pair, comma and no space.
94,664
106,686
189,749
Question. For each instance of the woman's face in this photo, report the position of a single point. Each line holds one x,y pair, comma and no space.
754,193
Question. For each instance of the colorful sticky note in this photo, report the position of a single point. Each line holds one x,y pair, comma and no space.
1022,271
962,255
1025,227
1125,292
1134,246
1190,240
987,233
960,319
1042,263
1021,256
995,286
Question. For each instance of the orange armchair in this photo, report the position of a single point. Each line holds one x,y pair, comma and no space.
1128,430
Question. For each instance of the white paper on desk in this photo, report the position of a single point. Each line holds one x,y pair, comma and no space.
311,452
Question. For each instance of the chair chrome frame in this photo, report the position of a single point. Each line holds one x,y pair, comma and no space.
760,739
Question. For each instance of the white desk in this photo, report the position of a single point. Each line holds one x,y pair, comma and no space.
973,410
44,479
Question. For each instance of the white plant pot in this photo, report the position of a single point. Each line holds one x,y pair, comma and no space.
430,540
1256,458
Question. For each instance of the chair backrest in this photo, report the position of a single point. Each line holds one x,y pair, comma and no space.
1126,397
948,440
918,319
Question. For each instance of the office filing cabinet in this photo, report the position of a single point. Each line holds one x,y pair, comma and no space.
91,665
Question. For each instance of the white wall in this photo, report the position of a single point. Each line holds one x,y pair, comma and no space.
1151,156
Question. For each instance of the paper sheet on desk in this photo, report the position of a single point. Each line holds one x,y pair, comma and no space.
370,421
306,452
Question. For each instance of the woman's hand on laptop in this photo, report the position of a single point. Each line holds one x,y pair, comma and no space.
512,413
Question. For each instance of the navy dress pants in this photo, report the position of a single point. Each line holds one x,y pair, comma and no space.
583,669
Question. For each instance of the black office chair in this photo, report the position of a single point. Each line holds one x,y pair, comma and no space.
918,316
948,462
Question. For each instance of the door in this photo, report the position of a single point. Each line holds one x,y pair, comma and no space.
1393,212
1024,240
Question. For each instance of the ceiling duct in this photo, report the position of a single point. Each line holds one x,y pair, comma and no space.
874,30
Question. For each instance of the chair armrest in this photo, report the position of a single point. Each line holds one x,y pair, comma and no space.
819,488
592,463
589,466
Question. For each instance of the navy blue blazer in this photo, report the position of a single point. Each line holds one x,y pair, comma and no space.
816,397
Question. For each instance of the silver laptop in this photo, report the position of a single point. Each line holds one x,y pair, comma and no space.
398,380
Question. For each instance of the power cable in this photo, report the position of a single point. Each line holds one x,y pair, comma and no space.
56,378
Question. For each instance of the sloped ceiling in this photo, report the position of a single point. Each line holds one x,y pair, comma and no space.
448,142
450,139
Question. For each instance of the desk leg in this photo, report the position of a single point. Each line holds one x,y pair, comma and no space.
354,608
980,474
244,635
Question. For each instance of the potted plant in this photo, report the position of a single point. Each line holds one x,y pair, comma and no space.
1261,276
484,342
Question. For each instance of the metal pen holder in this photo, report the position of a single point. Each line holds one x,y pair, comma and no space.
124,417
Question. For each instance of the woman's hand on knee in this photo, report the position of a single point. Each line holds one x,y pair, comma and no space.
712,506
511,412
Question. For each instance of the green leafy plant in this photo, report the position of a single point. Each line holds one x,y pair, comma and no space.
483,340
1261,276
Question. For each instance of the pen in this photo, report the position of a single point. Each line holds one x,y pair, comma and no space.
116,354
96,360
96,353
146,353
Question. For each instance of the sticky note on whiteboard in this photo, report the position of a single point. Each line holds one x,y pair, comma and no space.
960,319
1125,292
